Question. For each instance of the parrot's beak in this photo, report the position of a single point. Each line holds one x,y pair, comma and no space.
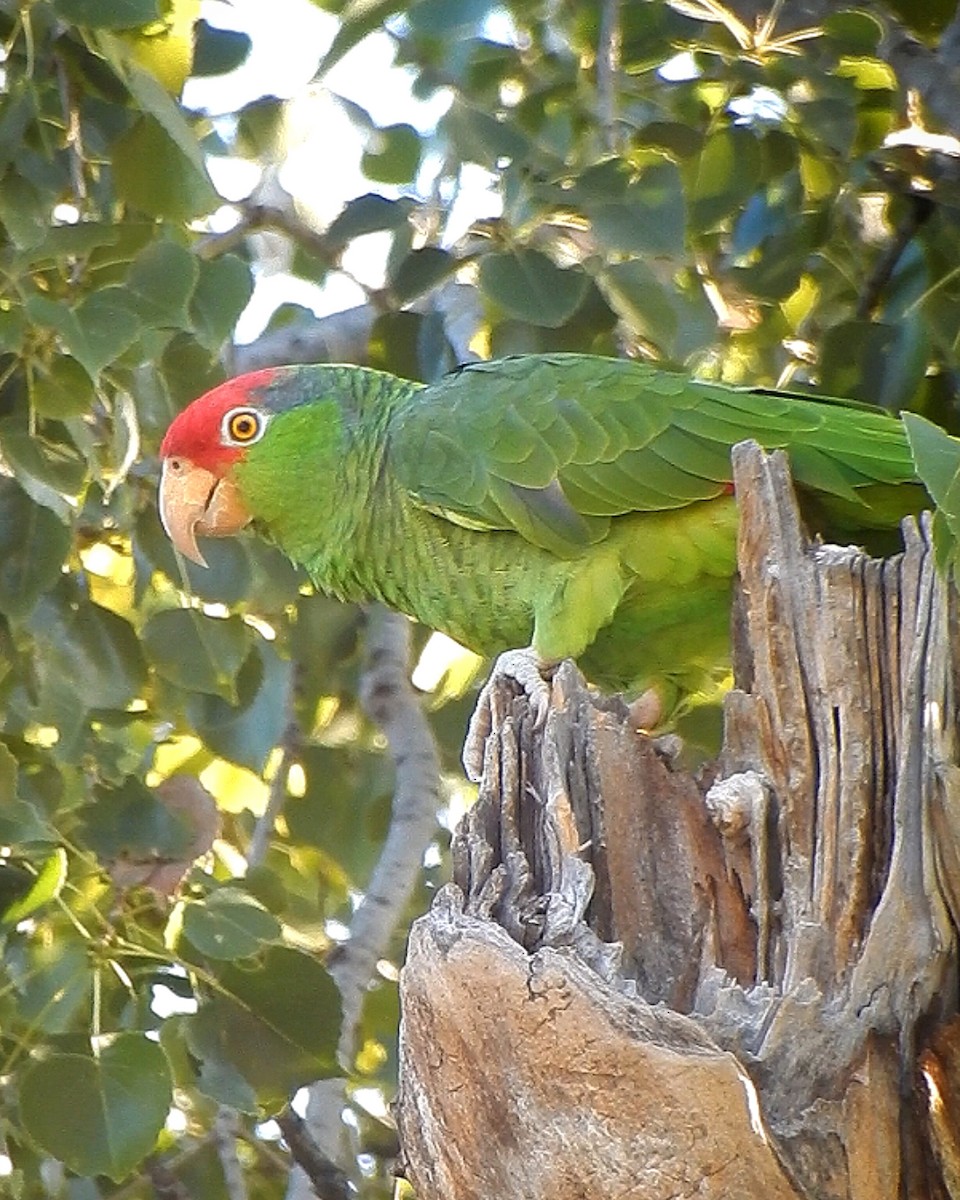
195,501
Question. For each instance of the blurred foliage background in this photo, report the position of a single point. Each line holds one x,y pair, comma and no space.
192,797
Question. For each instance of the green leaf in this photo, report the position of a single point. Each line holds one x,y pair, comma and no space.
24,211
936,455
853,31
48,882
63,390
154,176
528,285
49,471
479,137
8,774
218,51
420,271
393,343
247,730
393,155
13,326
881,362
928,19
276,1020
155,100
638,296
226,578
647,219
222,292
20,822
345,807
358,18
161,282
441,18
369,213
108,14
96,332
228,924
130,822
33,545
16,114
55,980
196,652
89,652
724,177
102,1115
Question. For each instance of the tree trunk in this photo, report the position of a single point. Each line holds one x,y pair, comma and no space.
646,984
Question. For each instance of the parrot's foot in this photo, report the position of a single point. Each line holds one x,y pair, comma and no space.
531,674
646,712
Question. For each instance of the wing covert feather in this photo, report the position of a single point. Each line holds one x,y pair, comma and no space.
552,446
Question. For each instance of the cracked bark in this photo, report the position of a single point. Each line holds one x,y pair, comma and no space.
645,984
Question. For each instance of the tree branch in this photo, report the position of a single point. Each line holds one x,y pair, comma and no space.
392,703
326,1178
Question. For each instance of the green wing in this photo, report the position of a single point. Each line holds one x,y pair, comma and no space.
555,446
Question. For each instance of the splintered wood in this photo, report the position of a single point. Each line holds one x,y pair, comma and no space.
644,984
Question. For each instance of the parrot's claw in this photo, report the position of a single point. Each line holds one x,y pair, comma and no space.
531,674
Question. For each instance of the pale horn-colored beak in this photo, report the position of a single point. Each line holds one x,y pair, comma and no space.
195,501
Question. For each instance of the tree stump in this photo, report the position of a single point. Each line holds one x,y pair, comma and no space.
646,984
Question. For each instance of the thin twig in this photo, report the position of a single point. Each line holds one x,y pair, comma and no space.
919,211
277,795
608,60
328,1181
225,1136
165,1184
273,218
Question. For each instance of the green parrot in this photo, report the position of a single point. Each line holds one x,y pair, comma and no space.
576,505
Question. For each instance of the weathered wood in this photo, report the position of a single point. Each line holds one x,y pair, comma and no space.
646,984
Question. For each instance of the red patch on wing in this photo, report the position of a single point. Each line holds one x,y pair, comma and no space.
195,433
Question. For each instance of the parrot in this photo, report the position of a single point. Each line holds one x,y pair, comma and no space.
538,507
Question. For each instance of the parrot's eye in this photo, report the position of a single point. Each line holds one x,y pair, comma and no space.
241,426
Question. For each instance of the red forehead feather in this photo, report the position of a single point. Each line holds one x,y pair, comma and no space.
195,433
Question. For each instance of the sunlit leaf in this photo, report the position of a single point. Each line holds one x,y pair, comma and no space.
724,176
46,885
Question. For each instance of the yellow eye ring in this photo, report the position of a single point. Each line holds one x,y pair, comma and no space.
241,426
